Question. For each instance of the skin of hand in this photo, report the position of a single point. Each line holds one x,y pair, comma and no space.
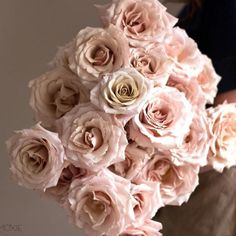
229,97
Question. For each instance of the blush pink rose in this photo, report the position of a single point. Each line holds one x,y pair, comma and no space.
142,21
191,90
163,121
148,201
101,204
135,159
184,52
37,157
92,139
122,93
222,122
153,63
208,80
68,175
195,147
148,228
97,51
54,94
176,182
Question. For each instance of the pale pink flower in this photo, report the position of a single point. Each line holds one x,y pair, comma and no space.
37,157
208,80
148,228
148,201
54,94
97,51
135,159
101,204
163,121
222,122
152,62
142,21
184,52
92,139
176,182
195,147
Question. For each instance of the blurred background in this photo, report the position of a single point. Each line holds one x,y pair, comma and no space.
30,32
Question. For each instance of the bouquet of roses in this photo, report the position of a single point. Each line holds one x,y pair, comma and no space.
123,128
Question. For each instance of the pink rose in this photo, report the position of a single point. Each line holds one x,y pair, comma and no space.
184,52
148,201
152,62
208,80
176,182
92,139
97,51
163,121
123,92
222,122
68,175
142,21
195,147
149,228
37,157
190,88
101,204
135,159
54,94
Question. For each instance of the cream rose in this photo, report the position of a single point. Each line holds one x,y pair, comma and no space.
222,120
123,92
142,21
97,51
195,147
208,80
68,175
148,201
135,159
184,52
92,139
37,157
101,204
54,94
163,121
148,228
176,182
153,63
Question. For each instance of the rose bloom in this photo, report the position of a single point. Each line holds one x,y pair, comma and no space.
195,147
184,52
135,159
123,92
163,121
97,51
54,94
142,21
152,62
222,121
92,139
101,205
37,157
148,201
176,182
68,175
191,90
208,80
148,228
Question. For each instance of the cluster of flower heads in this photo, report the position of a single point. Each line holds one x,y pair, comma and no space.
123,126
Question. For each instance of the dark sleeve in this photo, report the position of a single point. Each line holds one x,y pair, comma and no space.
214,29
